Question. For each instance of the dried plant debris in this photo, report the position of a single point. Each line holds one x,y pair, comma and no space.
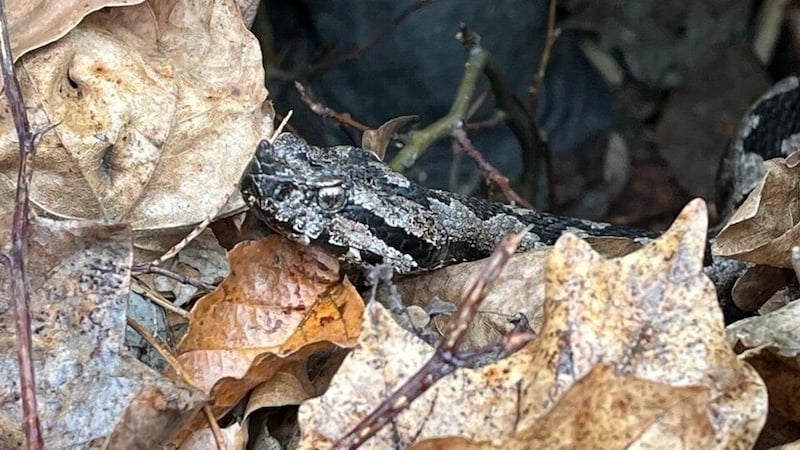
159,107
90,390
280,305
764,229
771,344
642,332
378,140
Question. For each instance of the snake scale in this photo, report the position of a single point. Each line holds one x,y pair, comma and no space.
347,200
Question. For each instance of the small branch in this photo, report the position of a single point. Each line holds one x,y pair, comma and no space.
179,277
491,172
19,241
321,110
359,50
446,359
544,58
144,290
420,140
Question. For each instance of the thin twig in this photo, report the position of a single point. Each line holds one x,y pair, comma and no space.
19,241
491,172
162,348
153,296
360,49
322,110
544,58
532,162
175,249
499,116
166,352
212,423
446,359
284,123
179,277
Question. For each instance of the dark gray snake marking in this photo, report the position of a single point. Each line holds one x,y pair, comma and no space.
345,199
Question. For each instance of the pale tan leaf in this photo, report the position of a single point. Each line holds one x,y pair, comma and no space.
385,357
519,289
33,24
652,317
160,107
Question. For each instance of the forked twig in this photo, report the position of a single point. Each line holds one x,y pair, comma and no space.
447,357
322,110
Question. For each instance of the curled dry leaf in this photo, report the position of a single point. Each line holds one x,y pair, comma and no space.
377,140
651,317
764,229
33,24
281,303
159,108
89,388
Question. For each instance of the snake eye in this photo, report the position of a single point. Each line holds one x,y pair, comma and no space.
280,192
331,198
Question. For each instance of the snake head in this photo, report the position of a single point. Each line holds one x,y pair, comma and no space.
294,189
345,199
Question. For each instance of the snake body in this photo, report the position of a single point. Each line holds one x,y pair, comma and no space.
347,200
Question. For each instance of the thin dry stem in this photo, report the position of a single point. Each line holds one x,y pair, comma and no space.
548,48
16,260
197,230
179,277
322,110
491,172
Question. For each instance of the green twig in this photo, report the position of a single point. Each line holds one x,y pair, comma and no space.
420,140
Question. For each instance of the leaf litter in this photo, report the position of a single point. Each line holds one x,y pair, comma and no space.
632,350
638,337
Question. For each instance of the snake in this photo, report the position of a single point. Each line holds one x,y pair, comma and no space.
347,200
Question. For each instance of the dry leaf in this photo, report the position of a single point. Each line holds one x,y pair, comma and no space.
757,286
89,388
160,107
771,344
651,316
33,24
572,422
385,357
377,140
519,289
281,303
764,229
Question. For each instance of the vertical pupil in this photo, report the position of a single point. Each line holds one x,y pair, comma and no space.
280,192
330,198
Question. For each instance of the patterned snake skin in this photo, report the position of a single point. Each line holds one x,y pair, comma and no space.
345,199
